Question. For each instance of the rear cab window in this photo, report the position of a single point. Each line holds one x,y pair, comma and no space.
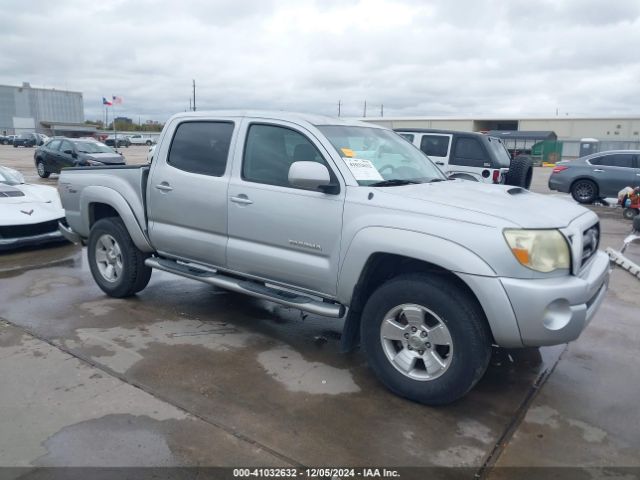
201,147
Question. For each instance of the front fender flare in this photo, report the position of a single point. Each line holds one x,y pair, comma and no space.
407,243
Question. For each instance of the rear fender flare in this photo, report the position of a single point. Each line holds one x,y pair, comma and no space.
108,196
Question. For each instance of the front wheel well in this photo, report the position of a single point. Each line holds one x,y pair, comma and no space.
98,211
379,269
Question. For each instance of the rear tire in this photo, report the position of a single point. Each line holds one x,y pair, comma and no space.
520,172
432,309
584,191
116,264
148,142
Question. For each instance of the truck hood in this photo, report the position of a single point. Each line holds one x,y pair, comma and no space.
107,158
510,204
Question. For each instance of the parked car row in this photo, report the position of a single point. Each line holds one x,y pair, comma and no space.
58,153
24,139
117,140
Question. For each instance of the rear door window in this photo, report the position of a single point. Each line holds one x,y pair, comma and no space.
435,145
469,152
624,160
201,147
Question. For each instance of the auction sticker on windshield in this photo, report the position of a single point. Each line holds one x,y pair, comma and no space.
362,169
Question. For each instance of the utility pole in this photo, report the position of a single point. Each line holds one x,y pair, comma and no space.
365,109
194,95
381,110
339,107
190,107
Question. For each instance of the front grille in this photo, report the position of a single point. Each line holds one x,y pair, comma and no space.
20,231
590,242
11,193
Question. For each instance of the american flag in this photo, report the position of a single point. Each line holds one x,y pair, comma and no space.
117,100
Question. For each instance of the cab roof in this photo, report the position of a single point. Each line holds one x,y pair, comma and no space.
294,117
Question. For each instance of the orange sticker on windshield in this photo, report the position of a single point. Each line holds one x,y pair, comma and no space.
347,152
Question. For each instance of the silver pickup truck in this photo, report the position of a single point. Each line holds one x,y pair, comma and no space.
345,219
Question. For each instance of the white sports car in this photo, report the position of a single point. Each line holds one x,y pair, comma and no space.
29,214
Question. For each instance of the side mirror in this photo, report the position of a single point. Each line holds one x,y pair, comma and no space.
309,175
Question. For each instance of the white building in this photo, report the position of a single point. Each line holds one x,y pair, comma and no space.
611,132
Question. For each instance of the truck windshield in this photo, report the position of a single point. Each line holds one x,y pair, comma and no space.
379,156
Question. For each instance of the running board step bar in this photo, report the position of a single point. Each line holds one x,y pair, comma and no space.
247,287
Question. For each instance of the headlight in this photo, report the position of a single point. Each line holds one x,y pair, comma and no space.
540,250
94,163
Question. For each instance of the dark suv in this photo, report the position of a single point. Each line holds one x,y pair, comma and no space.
26,140
597,176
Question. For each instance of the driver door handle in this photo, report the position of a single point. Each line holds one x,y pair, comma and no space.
598,170
439,163
164,186
241,199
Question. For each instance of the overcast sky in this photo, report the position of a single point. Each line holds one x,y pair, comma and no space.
417,57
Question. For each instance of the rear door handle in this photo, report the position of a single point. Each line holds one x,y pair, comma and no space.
598,170
241,199
164,186
439,163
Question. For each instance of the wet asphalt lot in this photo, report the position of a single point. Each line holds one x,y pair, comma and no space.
186,374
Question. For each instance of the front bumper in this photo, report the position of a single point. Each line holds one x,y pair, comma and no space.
11,243
68,233
552,311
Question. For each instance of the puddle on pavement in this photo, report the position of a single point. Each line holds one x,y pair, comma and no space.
298,375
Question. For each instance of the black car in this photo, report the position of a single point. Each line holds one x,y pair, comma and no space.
26,140
58,153
597,176
121,141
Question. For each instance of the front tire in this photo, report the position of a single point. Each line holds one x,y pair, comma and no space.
42,172
425,338
584,191
116,264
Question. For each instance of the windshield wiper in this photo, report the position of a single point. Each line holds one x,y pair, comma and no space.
393,183
433,180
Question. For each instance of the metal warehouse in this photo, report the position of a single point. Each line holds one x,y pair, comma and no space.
27,109
607,132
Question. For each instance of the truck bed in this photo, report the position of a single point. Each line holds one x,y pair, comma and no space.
126,181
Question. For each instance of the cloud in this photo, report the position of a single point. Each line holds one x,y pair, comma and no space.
413,56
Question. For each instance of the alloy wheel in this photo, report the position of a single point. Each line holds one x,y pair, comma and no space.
416,342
